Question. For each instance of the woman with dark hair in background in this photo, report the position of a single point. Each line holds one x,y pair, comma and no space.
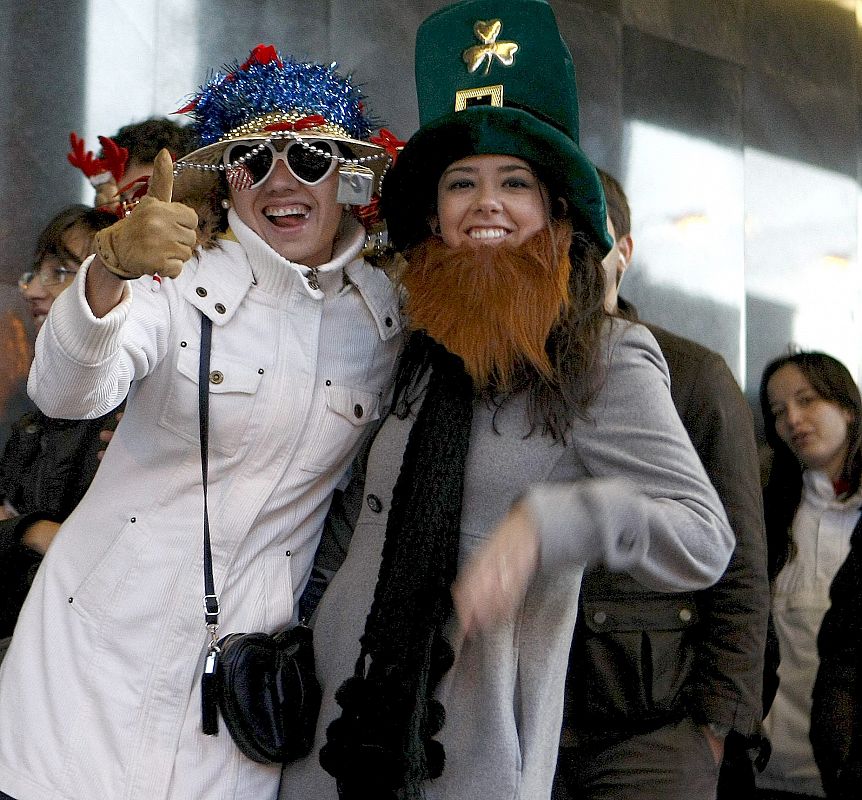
812,500
47,463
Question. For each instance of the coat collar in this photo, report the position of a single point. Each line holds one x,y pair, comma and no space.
223,276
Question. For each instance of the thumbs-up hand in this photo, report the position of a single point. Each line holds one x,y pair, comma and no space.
158,236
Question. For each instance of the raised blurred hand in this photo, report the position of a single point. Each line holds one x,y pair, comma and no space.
493,583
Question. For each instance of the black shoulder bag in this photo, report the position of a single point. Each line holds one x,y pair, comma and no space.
265,685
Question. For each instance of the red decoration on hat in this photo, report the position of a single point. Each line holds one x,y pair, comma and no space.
188,107
311,121
262,54
389,142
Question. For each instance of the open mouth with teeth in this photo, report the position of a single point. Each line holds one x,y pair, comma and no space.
488,234
287,216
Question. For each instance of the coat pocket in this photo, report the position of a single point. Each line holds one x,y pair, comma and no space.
338,428
232,388
96,595
632,658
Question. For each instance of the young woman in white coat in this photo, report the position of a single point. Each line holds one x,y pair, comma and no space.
100,691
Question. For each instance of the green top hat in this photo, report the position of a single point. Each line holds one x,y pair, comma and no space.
493,77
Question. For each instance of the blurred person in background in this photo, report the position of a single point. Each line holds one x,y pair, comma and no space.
47,463
663,688
120,171
812,502
836,705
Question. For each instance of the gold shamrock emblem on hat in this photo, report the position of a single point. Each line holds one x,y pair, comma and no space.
487,32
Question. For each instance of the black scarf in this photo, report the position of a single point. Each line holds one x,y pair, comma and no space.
382,744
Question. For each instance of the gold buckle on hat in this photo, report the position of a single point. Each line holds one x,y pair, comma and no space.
481,96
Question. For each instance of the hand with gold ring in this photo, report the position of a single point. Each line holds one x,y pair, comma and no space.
493,583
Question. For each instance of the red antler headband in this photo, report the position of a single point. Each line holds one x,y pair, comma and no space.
98,170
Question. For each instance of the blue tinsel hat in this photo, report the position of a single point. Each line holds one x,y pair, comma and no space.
269,97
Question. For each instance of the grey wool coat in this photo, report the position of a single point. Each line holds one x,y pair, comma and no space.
628,491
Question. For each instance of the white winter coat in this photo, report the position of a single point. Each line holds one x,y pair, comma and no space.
99,694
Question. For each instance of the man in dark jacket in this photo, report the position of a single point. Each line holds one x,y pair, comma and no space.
836,712
663,687
46,468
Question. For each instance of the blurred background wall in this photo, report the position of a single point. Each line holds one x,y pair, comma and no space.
733,125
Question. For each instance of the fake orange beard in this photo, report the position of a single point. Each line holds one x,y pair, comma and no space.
494,306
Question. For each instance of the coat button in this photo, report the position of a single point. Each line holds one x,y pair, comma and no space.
220,308
600,617
201,292
374,503
357,411
685,614
216,376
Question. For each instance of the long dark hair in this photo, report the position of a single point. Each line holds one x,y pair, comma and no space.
573,348
831,380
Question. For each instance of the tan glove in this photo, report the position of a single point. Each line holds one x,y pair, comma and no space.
158,236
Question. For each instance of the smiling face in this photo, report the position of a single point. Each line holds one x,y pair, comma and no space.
299,222
490,200
815,429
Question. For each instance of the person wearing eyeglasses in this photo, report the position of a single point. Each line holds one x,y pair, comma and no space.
47,463
268,246
62,246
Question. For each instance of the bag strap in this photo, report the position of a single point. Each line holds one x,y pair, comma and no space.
211,605
209,679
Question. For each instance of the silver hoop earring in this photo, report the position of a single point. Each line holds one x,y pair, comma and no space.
225,204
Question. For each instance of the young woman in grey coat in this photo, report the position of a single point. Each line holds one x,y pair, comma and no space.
531,434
